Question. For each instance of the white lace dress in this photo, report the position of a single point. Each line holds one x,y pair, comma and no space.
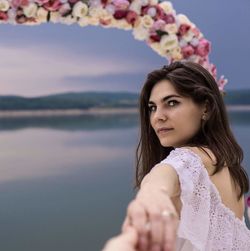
206,224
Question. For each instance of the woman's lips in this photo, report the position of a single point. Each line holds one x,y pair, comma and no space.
164,130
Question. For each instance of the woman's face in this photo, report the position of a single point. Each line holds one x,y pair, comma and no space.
174,118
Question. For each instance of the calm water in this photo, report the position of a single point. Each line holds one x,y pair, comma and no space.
65,181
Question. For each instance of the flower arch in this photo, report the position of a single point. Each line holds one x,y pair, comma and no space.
172,36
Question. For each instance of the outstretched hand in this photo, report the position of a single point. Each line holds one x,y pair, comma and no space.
155,219
126,241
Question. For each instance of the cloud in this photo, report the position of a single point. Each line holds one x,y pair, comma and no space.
38,70
113,81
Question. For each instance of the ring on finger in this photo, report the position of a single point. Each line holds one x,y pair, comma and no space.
166,214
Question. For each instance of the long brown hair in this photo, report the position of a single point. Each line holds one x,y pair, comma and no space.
191,80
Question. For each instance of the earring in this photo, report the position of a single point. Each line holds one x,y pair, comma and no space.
204,117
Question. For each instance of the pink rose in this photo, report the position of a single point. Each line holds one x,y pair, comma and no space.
73,1
159,11
203,48
65,9
17,3
21,19
105,22
119,14
196,31
213,70
155,38
159,25
121,4
221,83
41,2
104,2
187,51
52,5
184,28
169,19
131,17
3,16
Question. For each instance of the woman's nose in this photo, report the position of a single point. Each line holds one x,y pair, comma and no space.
160,114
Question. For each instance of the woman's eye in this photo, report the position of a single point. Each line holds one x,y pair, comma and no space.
151,108
173,103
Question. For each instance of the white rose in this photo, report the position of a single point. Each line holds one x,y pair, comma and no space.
144,2
182,19
188,36
4,5
30,10
80,9
167,7
63,1
136,6
93,20
42,15
84,21
147,21
121,24
95,3
169,42
54,17
68,20
65,8
171,28
194,42
194,58
156,47
152,12
183,43
153,2
140,33
110,9
11,16
175,53
98,12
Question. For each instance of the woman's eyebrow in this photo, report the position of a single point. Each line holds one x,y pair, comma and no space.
165,98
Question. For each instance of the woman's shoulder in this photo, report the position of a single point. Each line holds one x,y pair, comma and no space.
205,155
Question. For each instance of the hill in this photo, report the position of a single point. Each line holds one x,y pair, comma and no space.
86,100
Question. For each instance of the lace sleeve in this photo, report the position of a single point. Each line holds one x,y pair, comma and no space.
204,220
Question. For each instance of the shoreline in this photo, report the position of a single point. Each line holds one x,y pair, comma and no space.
93,111
238,108
67,112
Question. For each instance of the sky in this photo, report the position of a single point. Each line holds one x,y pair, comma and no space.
55,58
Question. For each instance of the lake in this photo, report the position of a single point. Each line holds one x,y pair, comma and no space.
66,181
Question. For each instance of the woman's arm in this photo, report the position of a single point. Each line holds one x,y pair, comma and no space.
162,177
152,212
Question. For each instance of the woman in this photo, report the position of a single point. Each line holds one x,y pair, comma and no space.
189,174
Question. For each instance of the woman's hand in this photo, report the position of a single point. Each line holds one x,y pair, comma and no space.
154,216
124,242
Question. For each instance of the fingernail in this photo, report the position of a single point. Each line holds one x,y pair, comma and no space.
167,247
143,243
156,247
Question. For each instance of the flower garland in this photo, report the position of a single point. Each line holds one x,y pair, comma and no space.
172,36
248,206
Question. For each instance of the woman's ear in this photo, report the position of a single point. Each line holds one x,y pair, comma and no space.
206,110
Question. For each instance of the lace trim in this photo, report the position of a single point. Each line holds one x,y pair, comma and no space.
210,231
215,190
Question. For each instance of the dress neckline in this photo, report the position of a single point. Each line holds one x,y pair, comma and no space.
227,209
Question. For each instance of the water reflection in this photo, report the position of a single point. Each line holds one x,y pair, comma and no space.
65,181
71,123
